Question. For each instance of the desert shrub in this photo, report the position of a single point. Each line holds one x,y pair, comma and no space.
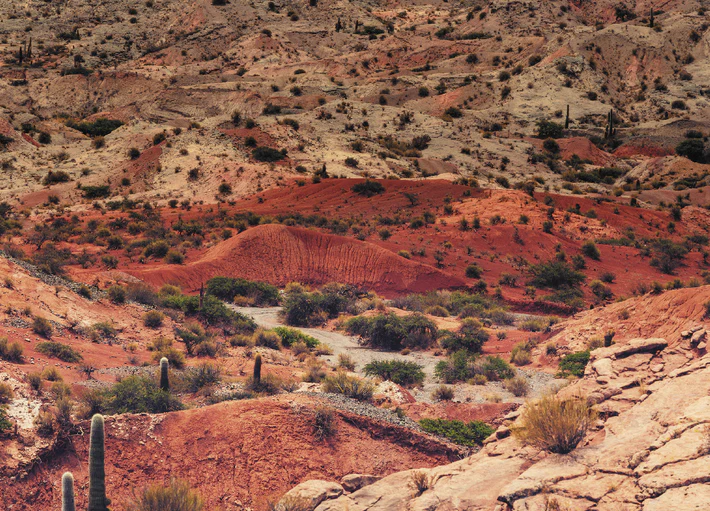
693,149
398,371
203,375
42,326
176,496
667,255
51,373
6,393
494,368
269,384
153,319
391,332
470,435
368,188
135,394
548,129
117,294
350,386
174,257
291,336
98,128
554,424
470,337
163,347
63,352
11,351
573,364
303,308
520,355
324,425
443,393
347,362
437,310
191,334
227,289
35,380
589,249
55,176
518,386
555,274
207,349
96,191
473,271
267,154
267,338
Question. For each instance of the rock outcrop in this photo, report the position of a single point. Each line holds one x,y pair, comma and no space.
649,450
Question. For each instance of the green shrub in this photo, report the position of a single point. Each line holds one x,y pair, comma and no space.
350,386
98,128
573,364
291,336
589,249
302,308
470,337
473,271
227,289
391,332
153,319
63,352
398,371
548,129
96,192
133,394
555,274
470,435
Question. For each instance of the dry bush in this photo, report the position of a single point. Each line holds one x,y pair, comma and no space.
347,362
315,370
6,393
443,393
351,386
324,426
554,424
177,496
420,482
518,386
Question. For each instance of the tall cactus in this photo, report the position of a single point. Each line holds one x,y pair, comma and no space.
164,382
257,370
68,492
97,474
567,119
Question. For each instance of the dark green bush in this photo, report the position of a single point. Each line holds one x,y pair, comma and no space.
398,371
267,154
63,352
291,336
573,364
470,435
134,394
368,188
259,293
391,332
98,128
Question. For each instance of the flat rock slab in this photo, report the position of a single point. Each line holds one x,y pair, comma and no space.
695,497
633,346
309,495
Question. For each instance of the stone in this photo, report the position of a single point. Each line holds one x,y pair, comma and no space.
603,367
310,495
698,337
353,482
633,346
694,497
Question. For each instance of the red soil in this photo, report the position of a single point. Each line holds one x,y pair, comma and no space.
278,254
238,454
642,149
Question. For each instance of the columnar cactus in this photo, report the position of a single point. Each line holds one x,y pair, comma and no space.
257,370
68,492
164,382
567,119
97,474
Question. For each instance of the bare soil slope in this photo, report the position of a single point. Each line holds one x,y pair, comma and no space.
279,254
